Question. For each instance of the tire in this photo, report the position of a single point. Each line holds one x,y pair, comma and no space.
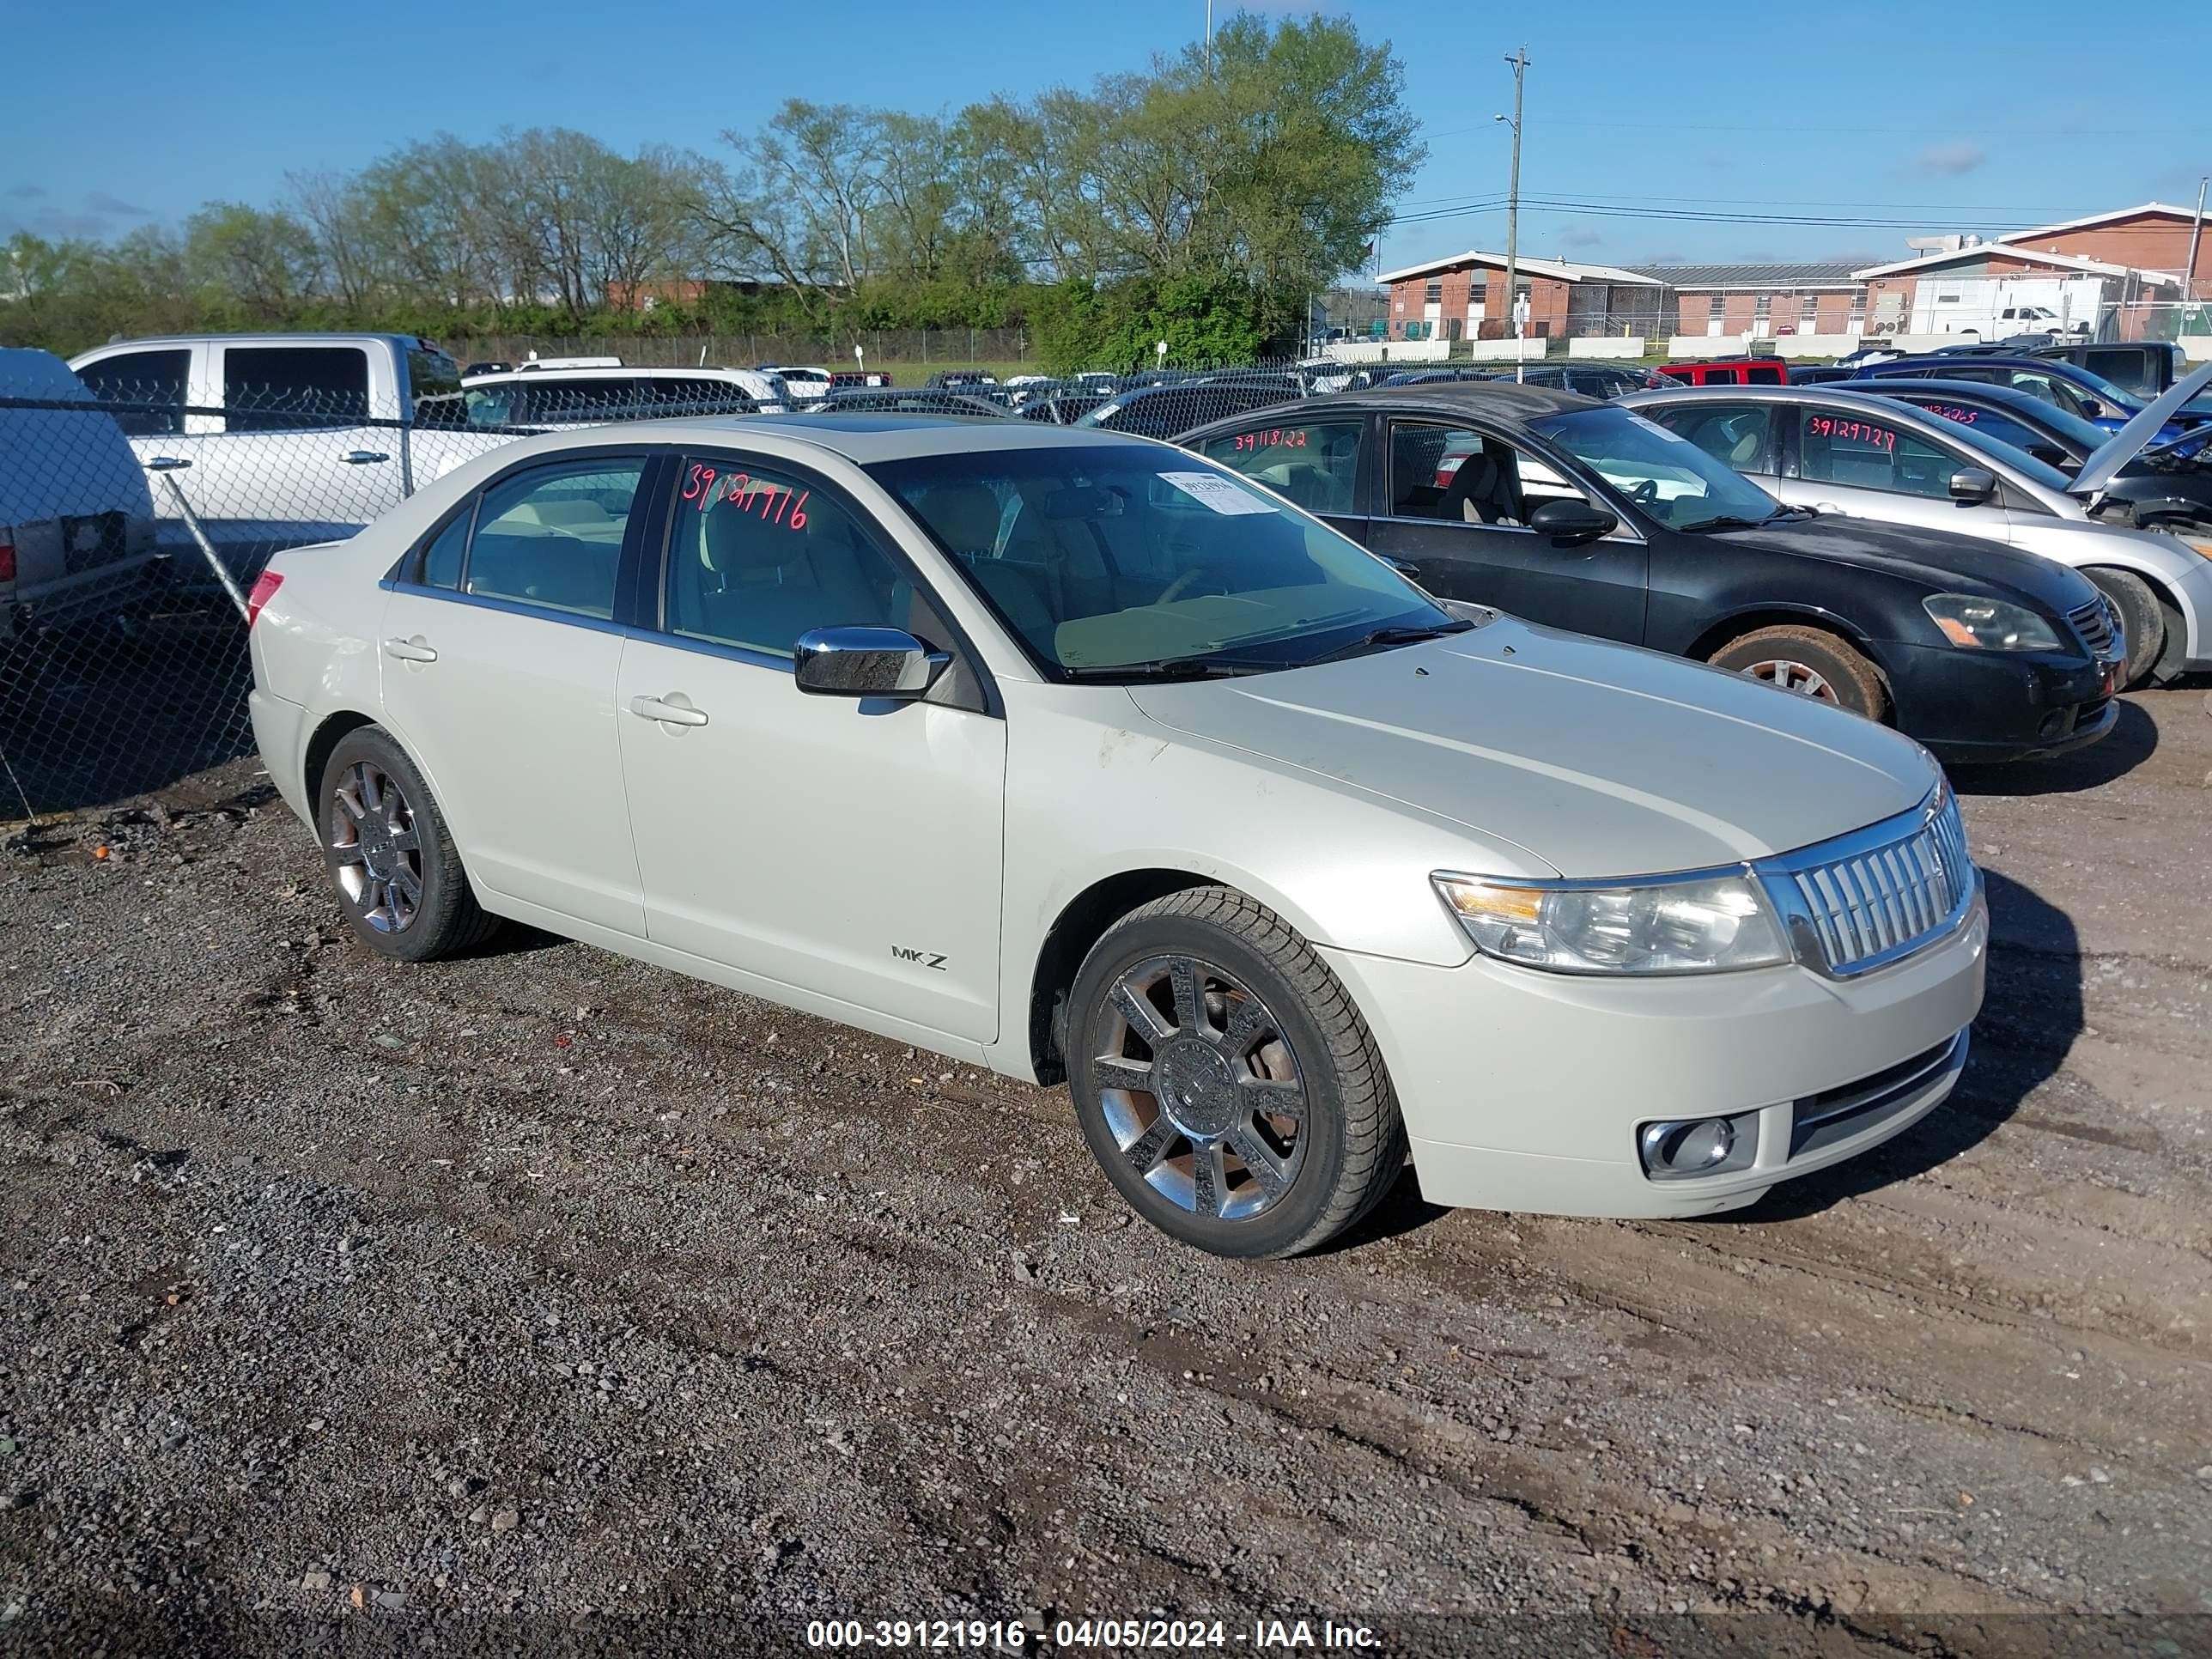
1287,1117
2142,617
1810,661
383,834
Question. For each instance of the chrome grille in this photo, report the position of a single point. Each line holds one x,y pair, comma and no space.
1877,897
2098,629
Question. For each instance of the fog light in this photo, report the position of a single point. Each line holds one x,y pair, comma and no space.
1679,1148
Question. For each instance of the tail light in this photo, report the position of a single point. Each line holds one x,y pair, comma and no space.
264,590
7,553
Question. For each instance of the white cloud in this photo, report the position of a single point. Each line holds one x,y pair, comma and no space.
1954,158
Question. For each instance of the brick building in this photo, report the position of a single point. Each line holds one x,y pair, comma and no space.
1463,296
1769,300
2153,238
2119,272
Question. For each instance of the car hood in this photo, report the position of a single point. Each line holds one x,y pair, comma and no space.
1943,559
2131,441
1602,760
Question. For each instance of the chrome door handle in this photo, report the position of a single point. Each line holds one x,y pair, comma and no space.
410,651
669,713
167,464
363,457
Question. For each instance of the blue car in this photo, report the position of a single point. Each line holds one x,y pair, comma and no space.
2063,384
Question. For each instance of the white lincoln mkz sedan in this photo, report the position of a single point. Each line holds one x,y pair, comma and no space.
1076,757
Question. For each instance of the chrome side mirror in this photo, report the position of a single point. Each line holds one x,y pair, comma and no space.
867,662
1973,486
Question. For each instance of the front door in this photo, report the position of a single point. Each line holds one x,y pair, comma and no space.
847,850
500,655
1454,503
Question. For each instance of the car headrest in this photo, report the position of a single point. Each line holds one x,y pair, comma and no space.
965,516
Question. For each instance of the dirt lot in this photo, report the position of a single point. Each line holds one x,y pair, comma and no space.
543,1283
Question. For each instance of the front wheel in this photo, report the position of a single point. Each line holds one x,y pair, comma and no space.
1227,1085
1810,661
2143,621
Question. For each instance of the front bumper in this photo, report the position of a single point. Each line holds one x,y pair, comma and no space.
1982,705
1524,1091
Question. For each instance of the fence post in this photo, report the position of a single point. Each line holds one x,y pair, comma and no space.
207,547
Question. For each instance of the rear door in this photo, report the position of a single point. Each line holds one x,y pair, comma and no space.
1453,502
500,651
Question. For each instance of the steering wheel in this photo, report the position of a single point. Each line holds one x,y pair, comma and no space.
1180,585
1646,492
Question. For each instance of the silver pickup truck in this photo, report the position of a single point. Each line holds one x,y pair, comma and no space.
279,440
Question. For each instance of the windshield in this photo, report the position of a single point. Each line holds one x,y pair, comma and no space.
1118,554
2019,460
2115,401
1665,475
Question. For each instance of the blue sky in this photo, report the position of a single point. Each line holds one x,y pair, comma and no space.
1637,112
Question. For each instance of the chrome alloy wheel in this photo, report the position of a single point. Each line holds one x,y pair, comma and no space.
379,853
1200,1088
1801,678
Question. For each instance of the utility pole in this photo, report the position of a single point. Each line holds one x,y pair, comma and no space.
1209,39
1519,62
2196,235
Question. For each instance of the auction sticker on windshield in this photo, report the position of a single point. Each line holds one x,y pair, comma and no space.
1218,493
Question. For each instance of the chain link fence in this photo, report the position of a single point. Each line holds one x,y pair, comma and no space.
137,513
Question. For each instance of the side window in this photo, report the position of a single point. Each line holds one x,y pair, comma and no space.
1765,374
1735,434
1314,463
441,559
154,380
757,558
553,536
2003,427
1866,455
283,388
1429,460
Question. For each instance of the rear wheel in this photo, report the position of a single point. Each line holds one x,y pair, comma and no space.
390,856
1810,661
2142,617
1227,1085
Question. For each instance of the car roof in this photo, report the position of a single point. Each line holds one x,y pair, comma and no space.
863,438
2009,397
611,372
1498,400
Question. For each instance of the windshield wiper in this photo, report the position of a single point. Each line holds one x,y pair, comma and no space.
1381,638
1730,521
1173,668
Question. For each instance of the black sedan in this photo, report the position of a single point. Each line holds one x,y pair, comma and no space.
2157,490
1584,515
1161,412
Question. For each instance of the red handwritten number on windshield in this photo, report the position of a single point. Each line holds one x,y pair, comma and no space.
1273,438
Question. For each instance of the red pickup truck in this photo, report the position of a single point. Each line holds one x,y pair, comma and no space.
1730,371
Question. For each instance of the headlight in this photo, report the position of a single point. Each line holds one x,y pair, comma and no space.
1706,924
1982,624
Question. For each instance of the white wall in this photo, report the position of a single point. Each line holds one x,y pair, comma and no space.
2197,348
1491,351
1389,351
1605,345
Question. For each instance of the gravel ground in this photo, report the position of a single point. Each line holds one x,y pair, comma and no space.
352,1301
